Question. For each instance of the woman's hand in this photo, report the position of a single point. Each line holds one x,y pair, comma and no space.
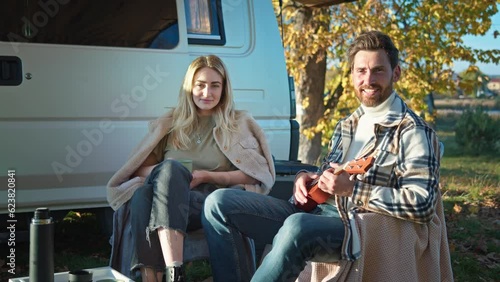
221,178
147,166
145,171
300,186
200,176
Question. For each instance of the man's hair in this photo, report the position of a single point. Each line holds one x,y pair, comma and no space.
373,41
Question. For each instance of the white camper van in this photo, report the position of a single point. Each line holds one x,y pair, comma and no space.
79,81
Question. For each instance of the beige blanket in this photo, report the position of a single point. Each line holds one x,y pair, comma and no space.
392,250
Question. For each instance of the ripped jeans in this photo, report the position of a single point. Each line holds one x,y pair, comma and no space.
165,200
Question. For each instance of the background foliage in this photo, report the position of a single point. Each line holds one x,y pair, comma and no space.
428,34
478,133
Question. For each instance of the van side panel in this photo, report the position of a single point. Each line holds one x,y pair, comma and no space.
72,124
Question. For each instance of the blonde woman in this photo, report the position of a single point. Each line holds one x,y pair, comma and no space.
163,198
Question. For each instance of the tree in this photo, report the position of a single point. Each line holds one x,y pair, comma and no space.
428,34
473,80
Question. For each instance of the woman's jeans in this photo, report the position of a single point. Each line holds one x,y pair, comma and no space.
297,237
165,200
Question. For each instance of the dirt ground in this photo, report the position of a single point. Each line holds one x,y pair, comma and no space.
466,103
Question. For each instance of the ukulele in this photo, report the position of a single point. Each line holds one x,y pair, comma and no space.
316,196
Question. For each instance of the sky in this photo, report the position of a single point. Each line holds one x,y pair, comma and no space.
486,42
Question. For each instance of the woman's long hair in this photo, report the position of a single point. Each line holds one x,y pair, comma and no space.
185,115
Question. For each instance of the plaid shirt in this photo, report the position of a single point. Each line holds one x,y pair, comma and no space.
404,178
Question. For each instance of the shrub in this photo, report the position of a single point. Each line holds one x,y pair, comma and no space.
476,132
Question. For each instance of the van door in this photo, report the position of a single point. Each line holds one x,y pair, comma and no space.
90,75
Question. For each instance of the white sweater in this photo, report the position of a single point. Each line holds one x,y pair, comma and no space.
366,125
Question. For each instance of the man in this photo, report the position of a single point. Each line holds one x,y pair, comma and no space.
401,185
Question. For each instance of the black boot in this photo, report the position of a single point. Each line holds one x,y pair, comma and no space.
175,274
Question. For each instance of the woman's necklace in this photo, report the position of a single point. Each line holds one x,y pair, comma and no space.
205,123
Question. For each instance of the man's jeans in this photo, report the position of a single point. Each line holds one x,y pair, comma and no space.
297,237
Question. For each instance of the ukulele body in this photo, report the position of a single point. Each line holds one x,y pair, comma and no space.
316,196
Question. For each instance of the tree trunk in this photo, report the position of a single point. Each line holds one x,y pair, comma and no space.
310,85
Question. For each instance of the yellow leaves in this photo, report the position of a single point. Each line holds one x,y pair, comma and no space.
417,104
319,127
452,247
324,126
308,133
428,34
472,68
473,209
436,14
335,28
345,81
305,102
468,208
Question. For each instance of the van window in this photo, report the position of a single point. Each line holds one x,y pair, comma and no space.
113,23
204,22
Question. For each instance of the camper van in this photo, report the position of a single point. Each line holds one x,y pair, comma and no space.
79,81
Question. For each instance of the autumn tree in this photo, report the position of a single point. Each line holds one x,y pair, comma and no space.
428,34
472,81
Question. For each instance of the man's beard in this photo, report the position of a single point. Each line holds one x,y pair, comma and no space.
376,100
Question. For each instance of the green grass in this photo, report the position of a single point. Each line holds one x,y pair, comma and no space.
471,196
198,270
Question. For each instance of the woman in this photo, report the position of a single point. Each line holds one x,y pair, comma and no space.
227,149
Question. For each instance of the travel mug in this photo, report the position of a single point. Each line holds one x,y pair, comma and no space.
80,275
